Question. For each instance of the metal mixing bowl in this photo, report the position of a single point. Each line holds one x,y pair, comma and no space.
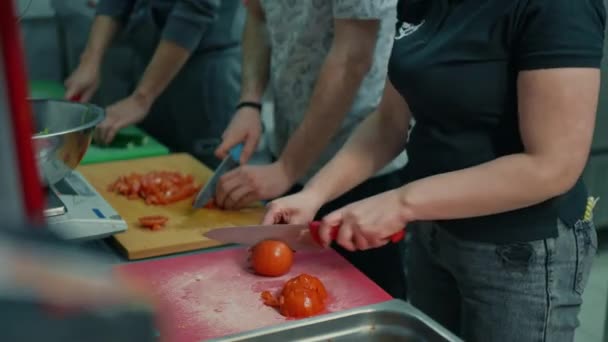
64,131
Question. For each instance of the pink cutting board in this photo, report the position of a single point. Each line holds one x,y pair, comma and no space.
213,294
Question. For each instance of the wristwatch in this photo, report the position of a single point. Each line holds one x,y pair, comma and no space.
250,104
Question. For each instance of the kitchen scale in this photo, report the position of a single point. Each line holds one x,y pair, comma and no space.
75,211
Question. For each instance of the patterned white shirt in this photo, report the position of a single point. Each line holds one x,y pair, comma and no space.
300,34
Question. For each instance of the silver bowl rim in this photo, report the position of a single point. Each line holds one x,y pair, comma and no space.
83,127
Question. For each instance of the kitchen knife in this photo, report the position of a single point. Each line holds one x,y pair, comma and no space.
297,236
229,163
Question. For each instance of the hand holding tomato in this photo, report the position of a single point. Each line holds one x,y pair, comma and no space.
247,184
366,224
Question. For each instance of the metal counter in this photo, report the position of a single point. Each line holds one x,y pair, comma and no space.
394,320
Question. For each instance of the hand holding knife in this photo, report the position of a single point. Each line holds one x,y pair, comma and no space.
297,236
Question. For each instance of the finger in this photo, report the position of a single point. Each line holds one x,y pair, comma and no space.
251,144
360,242
111,133
273,214
246,200
345,237
70,90
229,140
236,173
235,196
99,132
224,188
87,94
328,223
378,243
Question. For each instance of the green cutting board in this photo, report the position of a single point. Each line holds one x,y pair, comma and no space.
43,89
130,143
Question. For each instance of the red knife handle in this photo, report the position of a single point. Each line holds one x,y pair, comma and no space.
314,227
76,98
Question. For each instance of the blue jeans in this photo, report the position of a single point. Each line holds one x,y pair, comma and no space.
519,292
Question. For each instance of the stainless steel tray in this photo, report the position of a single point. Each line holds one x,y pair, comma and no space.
394,320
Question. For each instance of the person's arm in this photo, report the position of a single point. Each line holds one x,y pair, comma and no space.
375,142
346,65
246,124
82,83
103,31
558,58
557,115
256,54
110,15
182,33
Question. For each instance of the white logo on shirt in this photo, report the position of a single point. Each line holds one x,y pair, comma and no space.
407,29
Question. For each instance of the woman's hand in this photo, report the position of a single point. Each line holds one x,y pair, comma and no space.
366,224
300,208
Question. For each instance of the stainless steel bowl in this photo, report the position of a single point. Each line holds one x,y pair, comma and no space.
64,132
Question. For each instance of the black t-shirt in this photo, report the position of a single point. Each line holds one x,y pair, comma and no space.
456,63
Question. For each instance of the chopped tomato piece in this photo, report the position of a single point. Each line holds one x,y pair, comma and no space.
156,187
153,222
269,299
211,205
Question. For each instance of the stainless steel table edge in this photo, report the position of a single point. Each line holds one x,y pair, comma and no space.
394,305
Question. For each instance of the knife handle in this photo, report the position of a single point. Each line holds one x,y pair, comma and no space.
76,98
236,151
314,233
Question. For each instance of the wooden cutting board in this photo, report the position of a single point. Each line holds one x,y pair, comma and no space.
213,294
184,231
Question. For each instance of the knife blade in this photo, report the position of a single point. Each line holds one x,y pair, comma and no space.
297,236
229,163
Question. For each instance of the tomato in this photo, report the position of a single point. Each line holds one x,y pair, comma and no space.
307,282
302,296
156,187
210,205
269,299
153,222
271,258
300,303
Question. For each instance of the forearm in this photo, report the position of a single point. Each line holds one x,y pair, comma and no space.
508,183
166,62
256,56
103,31
376,142
332,98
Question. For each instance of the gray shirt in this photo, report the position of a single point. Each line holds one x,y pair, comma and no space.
300,34
193,24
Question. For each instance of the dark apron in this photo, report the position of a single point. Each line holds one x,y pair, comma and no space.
192,113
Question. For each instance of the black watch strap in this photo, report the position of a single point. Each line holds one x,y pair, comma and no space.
250,104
